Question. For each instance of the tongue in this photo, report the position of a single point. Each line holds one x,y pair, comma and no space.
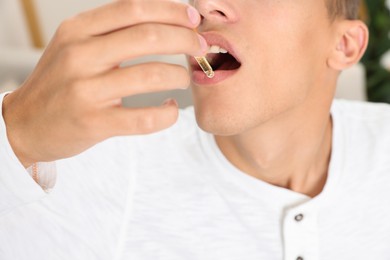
229,65
225,62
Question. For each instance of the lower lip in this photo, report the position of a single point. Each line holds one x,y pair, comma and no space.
200,78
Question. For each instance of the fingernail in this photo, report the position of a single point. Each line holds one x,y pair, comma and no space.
169,101
203,44
193,14
184,87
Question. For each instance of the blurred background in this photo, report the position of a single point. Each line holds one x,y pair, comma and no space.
377,59
26,26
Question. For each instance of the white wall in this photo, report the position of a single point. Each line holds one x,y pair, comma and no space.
52,12
16,55
13,31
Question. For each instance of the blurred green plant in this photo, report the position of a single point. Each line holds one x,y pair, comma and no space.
378,76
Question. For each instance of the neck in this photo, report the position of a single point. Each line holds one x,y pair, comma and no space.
291,151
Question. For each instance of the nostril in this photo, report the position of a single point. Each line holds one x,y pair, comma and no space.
219,13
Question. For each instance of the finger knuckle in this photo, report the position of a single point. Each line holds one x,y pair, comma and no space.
166,74
71,55
65,30
78,91
88,121
150,34
146,123
135,9
155,74
183,76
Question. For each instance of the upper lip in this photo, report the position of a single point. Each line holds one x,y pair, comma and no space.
216,39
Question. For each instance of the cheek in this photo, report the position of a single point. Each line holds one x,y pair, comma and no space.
275,78
286,59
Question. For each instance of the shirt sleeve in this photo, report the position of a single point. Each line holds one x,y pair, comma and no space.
44,174
17,187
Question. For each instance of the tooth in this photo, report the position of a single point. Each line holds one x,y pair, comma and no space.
214,49
223,50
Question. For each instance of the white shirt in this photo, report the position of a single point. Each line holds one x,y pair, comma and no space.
173,195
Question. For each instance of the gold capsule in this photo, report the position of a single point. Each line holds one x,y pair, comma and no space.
206,67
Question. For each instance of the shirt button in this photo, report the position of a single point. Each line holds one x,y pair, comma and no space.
299,218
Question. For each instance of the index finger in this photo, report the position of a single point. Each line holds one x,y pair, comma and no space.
121,14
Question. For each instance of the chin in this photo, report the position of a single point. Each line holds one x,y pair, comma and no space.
220,123
219,129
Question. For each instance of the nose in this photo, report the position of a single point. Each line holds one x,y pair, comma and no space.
218,11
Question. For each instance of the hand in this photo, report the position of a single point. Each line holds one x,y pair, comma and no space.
72,100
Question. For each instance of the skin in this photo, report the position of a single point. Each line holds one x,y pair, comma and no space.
72,100
271,120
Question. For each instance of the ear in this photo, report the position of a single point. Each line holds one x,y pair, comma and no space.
350,44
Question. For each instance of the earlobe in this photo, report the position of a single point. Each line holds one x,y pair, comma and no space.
350,45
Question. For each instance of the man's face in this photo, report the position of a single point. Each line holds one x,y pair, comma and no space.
282,47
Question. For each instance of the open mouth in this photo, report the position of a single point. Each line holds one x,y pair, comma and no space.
221,59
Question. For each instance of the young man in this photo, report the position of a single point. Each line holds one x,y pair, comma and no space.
273,174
